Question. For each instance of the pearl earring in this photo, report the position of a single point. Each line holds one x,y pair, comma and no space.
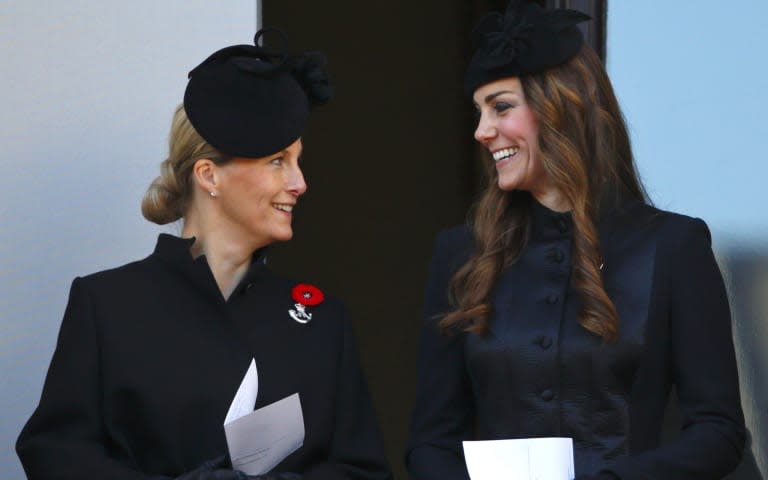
213,194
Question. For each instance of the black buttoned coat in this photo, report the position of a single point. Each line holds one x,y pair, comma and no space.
149,358
538,373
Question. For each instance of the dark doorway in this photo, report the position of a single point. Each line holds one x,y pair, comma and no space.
388,164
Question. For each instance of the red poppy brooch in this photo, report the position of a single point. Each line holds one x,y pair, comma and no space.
305,296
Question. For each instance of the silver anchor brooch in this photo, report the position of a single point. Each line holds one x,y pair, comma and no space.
304,295
300,315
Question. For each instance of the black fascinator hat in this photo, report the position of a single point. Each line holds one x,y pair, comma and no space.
251,101
526,39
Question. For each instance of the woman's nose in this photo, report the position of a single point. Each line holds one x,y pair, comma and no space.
485,130
296,185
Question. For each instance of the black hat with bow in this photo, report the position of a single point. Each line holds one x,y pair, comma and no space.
250,101
526,39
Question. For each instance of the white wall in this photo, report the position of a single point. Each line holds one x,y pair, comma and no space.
692,79
88,88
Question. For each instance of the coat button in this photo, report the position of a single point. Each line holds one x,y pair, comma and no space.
248,286
552,298
545,342
547,395
555,255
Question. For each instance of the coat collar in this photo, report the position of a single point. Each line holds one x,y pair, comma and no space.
175,253
550,225
546,224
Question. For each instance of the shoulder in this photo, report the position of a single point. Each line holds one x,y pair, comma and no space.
670,230
676,231
453,246
459,236
681,244
121,277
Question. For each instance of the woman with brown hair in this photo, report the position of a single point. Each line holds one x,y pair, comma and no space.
152,354
570,307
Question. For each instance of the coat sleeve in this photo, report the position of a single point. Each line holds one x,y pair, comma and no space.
64,438
356,451
703,369
444,411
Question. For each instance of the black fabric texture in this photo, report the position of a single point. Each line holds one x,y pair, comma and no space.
215,469
599,476
538,373
149,358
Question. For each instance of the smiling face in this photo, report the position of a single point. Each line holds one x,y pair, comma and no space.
508,129
256,196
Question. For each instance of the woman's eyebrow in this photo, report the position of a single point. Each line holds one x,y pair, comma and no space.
490,97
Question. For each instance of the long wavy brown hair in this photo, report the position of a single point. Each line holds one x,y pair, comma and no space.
586,152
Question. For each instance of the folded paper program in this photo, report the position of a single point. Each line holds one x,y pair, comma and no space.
245,398
260,439
520,459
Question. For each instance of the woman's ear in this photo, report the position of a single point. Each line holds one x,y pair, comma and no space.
205,174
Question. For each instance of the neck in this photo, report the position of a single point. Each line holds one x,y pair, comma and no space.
228,256
553,199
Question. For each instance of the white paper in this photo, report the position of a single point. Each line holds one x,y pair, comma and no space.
260,440
520,459
245,398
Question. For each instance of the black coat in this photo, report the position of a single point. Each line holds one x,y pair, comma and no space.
149,358
539,373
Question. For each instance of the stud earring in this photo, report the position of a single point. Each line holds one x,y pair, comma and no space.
213,194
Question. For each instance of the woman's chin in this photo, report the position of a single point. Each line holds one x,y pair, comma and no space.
507,185
283,236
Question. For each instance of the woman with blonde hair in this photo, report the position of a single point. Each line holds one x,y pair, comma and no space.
151,354
569,307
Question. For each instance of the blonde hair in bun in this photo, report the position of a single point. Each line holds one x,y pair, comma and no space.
168,196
